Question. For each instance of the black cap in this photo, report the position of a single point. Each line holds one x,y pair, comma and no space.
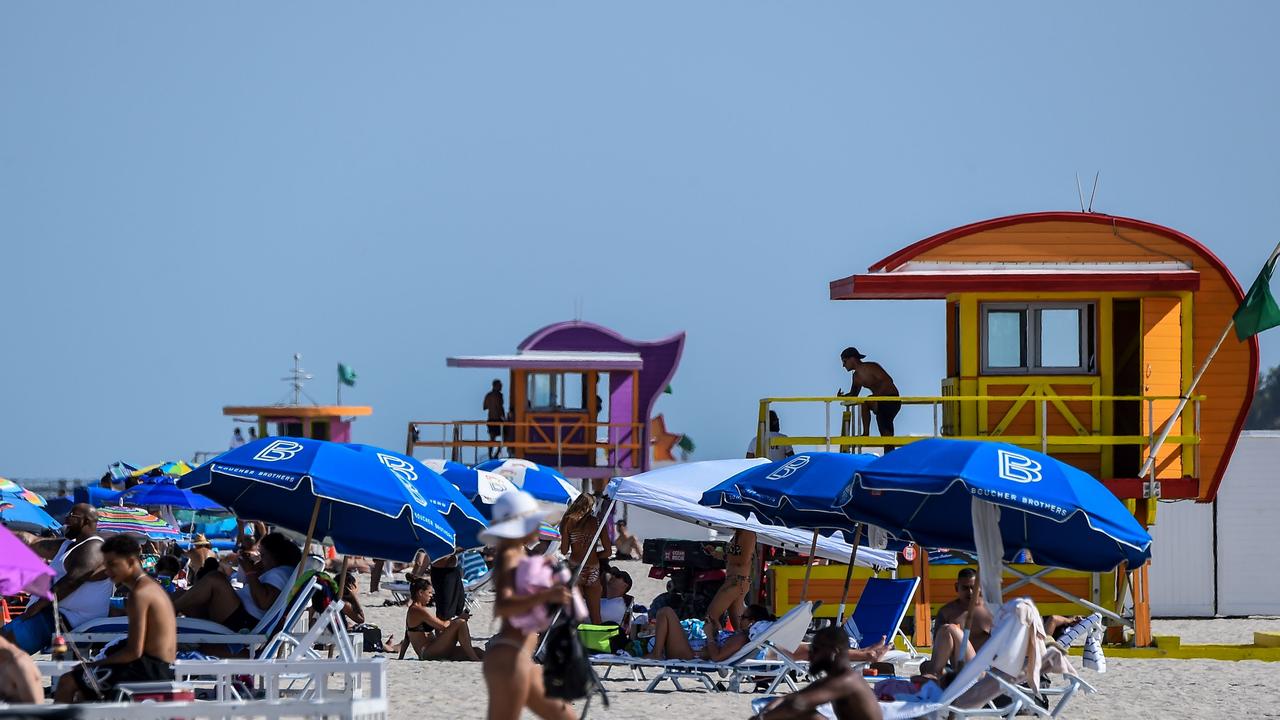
851,352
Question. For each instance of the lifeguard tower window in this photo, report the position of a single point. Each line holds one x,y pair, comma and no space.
555,391
1038,338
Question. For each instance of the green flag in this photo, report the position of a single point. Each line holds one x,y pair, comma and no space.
686,443
346,375
1259,311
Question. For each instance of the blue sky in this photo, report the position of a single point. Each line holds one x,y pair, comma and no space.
191,193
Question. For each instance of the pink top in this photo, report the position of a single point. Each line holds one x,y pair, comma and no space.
535,574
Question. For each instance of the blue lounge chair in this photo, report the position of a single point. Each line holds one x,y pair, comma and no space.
879,612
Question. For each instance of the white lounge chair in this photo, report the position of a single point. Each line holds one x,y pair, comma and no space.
284,614
999,668
775,643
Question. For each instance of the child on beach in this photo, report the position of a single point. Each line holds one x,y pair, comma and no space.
513,681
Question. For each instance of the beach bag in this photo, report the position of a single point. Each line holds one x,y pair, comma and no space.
566,671
601,638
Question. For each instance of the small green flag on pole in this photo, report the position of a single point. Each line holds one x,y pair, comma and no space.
346,375
1259,311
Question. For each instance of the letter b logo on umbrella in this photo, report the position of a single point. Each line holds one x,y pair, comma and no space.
1018,468
405,472
278,450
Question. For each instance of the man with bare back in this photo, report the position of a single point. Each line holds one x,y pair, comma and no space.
148,652
878,383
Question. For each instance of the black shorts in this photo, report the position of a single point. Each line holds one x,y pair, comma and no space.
495,431
100,681
450,596
240,620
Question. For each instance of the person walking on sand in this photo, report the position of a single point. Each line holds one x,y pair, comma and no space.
513,681
148,652
493,407
878,383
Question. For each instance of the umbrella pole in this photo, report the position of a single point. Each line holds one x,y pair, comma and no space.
848,573
311,531
808,567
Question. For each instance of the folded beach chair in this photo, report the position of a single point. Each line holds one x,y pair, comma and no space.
1011,657
399,590
879,613
765,657
284,614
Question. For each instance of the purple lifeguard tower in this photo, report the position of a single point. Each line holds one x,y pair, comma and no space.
580,398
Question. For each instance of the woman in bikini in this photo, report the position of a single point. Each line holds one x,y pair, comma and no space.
431,637
738,556
577,529
513,681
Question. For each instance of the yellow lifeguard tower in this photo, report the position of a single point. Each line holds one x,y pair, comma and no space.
1076,334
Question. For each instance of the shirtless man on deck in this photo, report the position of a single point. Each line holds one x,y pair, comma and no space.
878,383
952,618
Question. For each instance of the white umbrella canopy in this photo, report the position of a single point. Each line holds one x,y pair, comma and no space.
674,491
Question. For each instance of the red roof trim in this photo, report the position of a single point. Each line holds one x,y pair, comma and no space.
897,259
891,286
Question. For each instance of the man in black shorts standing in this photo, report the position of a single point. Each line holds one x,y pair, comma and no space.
493,407
878,383
148,652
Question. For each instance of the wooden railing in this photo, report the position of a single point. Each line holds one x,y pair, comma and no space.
604,444
844,430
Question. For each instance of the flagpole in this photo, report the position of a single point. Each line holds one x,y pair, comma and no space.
1186,396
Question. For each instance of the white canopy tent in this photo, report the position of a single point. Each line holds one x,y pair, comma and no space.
674,491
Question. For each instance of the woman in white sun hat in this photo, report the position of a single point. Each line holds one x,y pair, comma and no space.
525,586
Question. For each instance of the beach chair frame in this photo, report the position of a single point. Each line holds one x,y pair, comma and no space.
787,631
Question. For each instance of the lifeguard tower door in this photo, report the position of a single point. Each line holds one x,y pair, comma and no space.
1162,375
1147,347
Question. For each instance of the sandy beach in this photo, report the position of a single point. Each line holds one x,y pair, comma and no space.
1130,688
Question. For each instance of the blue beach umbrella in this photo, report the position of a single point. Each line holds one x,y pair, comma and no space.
540,481
479,485
798,492
17,513
166,493
925,492
465,519
369,507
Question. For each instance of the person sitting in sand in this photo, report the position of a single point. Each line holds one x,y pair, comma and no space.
431,637
20,680
627,545
213,597
577,529
151,646
951,621
739,555
839,684
510,676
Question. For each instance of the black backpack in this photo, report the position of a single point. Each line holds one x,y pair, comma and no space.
566,668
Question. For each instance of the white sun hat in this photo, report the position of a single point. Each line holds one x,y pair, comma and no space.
515,515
